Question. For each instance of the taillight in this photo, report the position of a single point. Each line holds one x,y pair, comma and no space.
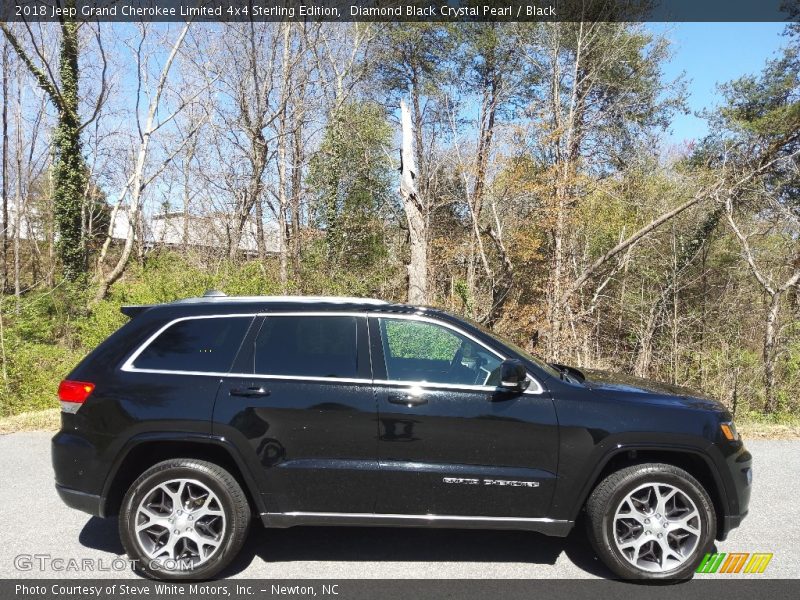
73,393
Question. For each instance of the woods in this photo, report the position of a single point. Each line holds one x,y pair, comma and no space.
520,174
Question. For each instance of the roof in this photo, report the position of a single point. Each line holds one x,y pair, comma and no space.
213,301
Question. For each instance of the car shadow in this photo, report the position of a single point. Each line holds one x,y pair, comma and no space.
389,544
101,534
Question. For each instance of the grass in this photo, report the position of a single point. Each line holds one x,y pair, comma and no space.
38,420
750,429
759,430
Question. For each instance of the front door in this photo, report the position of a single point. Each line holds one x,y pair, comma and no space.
449,441
302,403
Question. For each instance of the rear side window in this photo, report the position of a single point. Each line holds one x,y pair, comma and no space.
202,345
313,346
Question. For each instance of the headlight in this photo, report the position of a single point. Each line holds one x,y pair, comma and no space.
729,431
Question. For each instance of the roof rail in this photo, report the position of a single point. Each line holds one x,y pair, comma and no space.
214,294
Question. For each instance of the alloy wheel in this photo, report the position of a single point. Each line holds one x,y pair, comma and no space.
657,527
180,519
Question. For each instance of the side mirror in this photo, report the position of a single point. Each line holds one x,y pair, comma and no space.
513,376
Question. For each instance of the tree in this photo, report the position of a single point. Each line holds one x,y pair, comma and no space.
350,177
598,90
139,179
412,59
69,168
759,127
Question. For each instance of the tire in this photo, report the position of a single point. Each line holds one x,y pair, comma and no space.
638,535
200,501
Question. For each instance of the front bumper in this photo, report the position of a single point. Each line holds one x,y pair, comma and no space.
739,463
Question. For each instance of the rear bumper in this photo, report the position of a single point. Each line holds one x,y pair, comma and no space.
88,503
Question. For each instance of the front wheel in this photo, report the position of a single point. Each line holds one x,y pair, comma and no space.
651,521
184,519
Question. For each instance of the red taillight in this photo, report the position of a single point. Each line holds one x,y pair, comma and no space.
74,391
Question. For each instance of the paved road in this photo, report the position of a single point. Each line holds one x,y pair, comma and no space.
33,521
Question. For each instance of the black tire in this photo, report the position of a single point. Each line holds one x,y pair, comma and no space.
232,501
608,496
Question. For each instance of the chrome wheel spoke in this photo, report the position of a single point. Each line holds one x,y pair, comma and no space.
686,524
663,498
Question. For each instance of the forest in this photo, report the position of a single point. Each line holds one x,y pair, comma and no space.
515,173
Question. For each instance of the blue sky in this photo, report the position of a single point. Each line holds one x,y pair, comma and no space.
712,53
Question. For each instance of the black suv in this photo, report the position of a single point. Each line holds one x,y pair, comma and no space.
342,411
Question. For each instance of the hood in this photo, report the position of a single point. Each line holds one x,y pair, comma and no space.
616,384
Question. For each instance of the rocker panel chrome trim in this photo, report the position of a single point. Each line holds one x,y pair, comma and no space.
547,526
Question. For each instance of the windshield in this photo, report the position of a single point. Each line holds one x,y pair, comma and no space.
525,354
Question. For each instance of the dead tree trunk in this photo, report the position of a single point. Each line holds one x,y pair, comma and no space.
415,215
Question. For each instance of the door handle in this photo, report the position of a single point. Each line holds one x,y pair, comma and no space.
408,400
251,392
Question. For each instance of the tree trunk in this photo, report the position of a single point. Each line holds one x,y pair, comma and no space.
19,197
4,283
770,334
297,185
69,168
417,229
261,245
283,183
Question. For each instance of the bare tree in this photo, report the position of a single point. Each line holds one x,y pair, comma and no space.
776,291
139,179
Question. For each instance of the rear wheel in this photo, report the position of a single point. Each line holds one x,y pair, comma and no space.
651,521
184,519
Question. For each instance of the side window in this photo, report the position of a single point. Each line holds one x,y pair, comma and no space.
206,345
421,351
313,346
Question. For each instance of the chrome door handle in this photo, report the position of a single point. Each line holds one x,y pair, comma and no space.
251,392
408,400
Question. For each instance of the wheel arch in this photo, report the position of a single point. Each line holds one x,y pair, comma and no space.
142,453
695,462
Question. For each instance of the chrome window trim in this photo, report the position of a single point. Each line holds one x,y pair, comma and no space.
128,364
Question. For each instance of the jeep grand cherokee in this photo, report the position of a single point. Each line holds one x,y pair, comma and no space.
197,414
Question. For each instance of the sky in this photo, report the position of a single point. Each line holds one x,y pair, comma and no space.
712,53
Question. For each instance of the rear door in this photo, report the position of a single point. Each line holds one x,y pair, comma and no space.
301,402
172,379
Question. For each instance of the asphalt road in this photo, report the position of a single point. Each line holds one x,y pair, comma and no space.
33,521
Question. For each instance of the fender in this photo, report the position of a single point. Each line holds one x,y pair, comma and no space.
623,447
183,437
